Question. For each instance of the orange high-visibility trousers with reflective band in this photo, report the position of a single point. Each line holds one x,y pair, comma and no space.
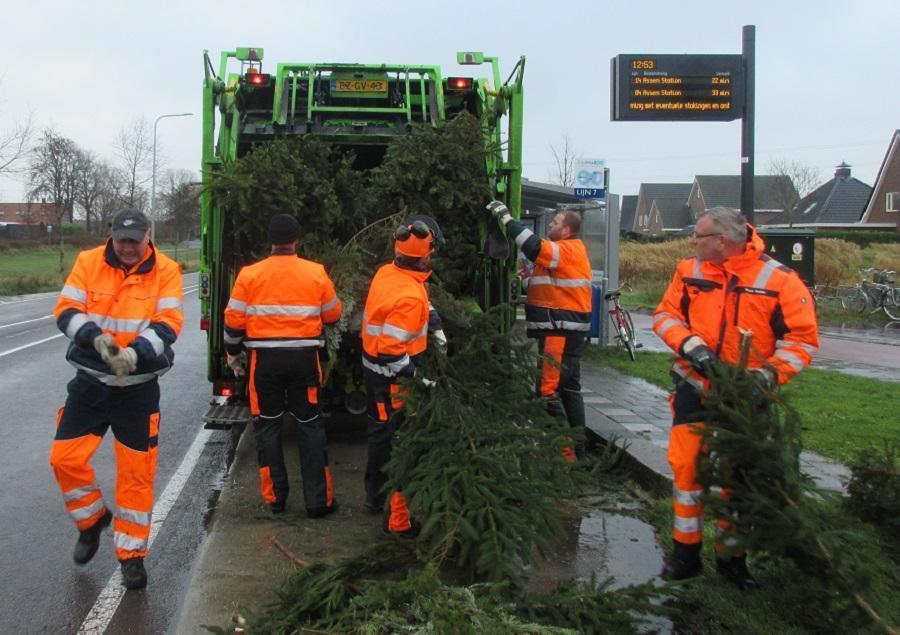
133,414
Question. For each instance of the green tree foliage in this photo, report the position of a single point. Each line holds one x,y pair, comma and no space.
875,488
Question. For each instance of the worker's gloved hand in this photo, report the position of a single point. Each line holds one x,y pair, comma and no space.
428,383
763,383
500,211
106,347
698,354
440,339
237,363
124,362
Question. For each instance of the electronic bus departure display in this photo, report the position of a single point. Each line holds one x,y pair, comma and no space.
677,88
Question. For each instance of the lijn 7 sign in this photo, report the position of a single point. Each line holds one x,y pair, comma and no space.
590,178
677,88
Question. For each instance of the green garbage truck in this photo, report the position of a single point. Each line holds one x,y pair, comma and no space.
360,108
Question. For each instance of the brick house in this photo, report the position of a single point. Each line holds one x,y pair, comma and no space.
28,213
883,208
661,208
770,195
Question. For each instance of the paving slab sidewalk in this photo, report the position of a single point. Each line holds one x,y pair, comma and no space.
635,413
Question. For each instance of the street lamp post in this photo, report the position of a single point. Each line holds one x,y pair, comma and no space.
153,174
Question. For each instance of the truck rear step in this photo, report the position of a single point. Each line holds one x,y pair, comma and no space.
224,416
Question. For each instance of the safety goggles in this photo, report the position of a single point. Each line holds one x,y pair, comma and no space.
418,229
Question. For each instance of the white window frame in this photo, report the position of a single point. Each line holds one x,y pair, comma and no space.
892,202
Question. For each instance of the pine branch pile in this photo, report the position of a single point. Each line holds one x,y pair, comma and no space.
753,438
478,457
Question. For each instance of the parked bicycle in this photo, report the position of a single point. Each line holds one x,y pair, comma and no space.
622,324
879,294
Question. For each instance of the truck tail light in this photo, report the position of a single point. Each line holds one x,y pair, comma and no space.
257,79
223,388
204,323
459,83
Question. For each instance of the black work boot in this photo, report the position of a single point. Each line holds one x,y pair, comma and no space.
735,571
134,576
411,532
89,539
320,512
277,507
683,563
374,505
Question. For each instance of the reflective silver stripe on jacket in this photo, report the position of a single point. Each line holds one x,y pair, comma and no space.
151,336
688,525
134,516
698,269
791,359
83,513
232,340
388,370
687,496
74,293
687,376
662,322
129,543
237,305
809,348
298,343
554,259
113,380
395,331
79,492
561,325
75,323
169,303
524,235
558,282
284,310
768,268
330,305
119,325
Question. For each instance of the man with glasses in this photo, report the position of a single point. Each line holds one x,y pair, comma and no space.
394,334
729,286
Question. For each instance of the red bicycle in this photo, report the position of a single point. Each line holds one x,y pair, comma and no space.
621,321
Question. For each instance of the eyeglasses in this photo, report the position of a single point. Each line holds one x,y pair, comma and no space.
418,229
698,236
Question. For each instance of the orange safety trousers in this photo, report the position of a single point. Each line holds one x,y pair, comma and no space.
133,414
685,447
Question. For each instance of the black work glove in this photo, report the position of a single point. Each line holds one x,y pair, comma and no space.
698,354
762,383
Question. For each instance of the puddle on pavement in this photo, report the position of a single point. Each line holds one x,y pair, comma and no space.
604,544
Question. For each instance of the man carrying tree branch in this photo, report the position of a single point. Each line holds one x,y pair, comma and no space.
730,286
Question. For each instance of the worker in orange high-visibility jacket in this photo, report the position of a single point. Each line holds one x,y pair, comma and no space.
121,309
277,310
557,310
395,332
729,285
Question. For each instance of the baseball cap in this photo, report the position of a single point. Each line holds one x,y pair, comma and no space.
130,224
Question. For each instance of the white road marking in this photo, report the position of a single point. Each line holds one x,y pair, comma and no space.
24,346
44,317
108,601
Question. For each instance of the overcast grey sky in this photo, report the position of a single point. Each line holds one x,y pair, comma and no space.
827,71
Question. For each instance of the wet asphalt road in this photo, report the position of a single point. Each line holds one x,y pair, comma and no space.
43,590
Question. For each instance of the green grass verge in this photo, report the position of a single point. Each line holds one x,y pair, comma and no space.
841,414
36,270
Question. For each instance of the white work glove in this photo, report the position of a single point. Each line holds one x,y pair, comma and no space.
428,383
106,347
500,211
440,339
238,363
124,362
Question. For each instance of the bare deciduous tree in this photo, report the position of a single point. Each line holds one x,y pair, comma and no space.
181,197
93,180
801,179
134,150
14,144
52,175
565,158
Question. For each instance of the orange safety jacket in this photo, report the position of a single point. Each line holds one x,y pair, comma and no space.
559,289
395,321
750,291
140,307
280,302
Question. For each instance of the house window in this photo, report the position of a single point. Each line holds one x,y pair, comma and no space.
893,202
